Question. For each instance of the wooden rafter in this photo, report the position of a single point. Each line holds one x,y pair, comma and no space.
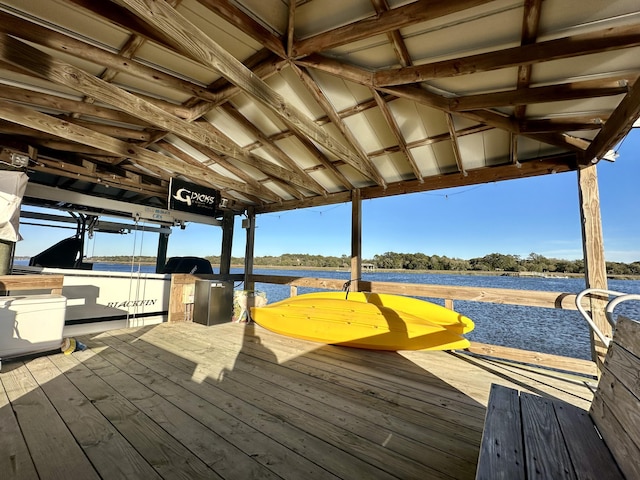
530,25
546,94
319,96
255,190
617,126
392,123
61,104
64,129
394,19
188,39
543,166
70,76
577,45
454,143
260,65
291,25
394,36
230,12
116,131
270,147
425,97
40,35
559,125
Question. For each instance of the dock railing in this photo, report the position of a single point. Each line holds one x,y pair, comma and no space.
451,294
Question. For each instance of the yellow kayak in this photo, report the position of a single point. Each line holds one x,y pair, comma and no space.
431,312
354,324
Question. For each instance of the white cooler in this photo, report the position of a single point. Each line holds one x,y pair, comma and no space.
31,324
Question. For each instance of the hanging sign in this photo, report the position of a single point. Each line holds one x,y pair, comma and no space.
189,197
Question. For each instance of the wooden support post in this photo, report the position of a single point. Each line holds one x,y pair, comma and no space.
161,257
356,239
249,248
227,242
593,246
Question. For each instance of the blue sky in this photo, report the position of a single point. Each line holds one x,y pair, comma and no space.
516,217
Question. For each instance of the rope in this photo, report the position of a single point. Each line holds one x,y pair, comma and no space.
347,287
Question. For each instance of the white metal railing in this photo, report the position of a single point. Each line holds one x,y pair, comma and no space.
620,297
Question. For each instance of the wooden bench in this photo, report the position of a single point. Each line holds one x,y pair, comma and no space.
527,436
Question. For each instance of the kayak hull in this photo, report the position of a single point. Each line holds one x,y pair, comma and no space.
355,324
431,312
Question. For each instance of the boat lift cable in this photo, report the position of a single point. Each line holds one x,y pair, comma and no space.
611,305
140,251
133,261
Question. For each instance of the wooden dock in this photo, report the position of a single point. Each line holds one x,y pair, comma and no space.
234,401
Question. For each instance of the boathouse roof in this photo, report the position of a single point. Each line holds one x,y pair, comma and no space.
286,104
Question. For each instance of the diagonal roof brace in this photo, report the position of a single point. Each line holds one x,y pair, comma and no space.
192,42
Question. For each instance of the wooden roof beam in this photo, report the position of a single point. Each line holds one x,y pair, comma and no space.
224,163
616,127
51,101
395,129
89,174
424,97
394,36
319,96
339,69
239,19
270,147
291,24
552,93
262,66
192,42
530,25
393,19
37,62
454,143
568,124
324,161
128,134
64,129
577,45
542,166
40,35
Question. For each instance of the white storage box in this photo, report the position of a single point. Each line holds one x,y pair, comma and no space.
31,323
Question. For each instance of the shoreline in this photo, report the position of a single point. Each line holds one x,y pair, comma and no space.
558,275
400,270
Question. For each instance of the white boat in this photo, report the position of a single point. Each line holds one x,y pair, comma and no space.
104,300
99,301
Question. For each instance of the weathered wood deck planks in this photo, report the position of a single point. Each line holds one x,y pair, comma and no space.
234,401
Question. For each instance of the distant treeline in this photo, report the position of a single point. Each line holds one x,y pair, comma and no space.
419,261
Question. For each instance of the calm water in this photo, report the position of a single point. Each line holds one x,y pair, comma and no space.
541,329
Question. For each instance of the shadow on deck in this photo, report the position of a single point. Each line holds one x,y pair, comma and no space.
236,401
